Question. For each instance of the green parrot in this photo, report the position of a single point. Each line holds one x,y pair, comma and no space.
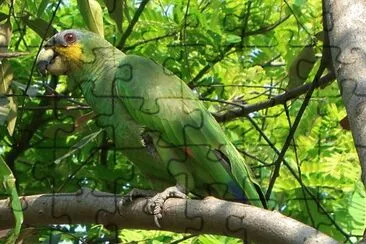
154,119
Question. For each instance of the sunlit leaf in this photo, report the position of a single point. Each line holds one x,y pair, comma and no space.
233,39
357,210
78,146
41,7
8,181
8,108
301,67
92,14
115,10
12,116
5,36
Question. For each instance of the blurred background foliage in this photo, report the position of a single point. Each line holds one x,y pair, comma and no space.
231,53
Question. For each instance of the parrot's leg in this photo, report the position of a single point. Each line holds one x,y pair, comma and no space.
136,193
155,204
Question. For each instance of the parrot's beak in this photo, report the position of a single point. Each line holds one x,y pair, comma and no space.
49,61
45,58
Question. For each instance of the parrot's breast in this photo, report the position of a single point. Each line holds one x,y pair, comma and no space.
122,129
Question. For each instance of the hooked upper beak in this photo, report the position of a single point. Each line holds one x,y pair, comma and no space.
45,58
49,61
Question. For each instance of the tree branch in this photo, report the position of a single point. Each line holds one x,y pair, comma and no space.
27,132
244,109
134,20
290,136
346,34
158,38
211,216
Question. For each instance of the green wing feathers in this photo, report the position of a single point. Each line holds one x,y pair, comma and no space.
165,105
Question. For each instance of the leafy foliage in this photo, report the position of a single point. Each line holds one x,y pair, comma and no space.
227,51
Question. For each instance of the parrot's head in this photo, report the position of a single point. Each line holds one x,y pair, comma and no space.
69,51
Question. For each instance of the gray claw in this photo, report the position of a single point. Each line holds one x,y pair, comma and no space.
155,204
135,193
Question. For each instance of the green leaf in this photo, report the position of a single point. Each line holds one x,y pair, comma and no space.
8,180
233,38
78,146
12,115
92,14
41,7
115,10
8,108
3,16
5,36
301,67
357,210
40,26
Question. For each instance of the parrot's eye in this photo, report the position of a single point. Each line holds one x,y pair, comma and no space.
70,38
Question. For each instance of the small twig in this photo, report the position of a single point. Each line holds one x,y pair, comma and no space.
267,28
289,138
269,62
67,108
227,49
132,24
150,40
208,66
306,202
244,110
298,179
13,54
184,239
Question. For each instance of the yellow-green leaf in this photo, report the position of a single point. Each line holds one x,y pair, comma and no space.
5,36
301,67
92,14
12,116
115,10
8,181
357,210
41,7
8,108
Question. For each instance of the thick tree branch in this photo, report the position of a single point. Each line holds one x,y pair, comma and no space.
244,110
347,43
211,215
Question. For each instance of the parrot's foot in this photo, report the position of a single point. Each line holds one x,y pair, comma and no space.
136,193
155,204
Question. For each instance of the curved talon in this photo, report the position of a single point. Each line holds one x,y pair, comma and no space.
156,220
134,193
155,204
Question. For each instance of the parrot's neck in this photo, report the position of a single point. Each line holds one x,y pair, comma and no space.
97,64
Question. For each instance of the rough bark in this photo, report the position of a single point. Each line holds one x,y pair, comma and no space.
212,216
346,31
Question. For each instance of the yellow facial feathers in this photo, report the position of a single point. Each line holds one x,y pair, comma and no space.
72,52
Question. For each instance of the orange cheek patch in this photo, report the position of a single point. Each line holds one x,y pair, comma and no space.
72,52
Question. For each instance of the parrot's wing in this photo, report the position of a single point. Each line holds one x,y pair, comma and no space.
161,102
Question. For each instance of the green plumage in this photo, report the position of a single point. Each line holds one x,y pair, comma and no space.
159,124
